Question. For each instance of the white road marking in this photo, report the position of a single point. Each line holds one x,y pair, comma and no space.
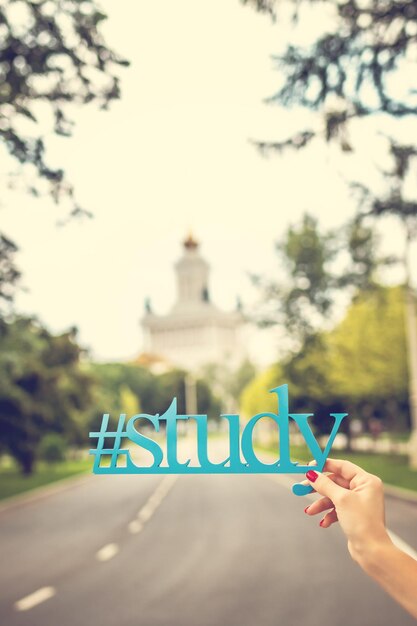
135,527
107,552
110,550
155,499
146,513
400,543
28,602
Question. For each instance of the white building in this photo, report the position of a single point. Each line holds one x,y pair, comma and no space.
195,331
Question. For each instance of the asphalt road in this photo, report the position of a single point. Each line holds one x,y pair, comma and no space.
196,551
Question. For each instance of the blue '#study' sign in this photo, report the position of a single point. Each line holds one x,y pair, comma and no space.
239,443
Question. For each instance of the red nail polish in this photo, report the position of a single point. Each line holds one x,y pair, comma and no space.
306,509
312,475
321,523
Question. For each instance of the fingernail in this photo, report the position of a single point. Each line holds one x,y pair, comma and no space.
322,522
312,475
306,509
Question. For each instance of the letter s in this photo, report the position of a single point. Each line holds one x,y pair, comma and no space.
142,440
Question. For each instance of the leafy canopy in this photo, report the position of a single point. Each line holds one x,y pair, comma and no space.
52,56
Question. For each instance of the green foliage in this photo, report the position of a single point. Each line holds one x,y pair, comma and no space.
12,482
316,269
351,63
367,356
52,54
263,6
52,448
130,403
394,200
116,383
52,57
347,73
207,401
9,274
306,253
363,260
243,375
228,382
255,396
42,387
367,350
365,359
351,71
131,389
169,385
306,372
303,293
391,468
172,384
359,367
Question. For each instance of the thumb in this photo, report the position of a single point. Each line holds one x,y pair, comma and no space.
325,485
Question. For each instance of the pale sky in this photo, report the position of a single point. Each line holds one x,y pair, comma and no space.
174,154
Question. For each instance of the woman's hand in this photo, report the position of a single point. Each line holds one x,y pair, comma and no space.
355,499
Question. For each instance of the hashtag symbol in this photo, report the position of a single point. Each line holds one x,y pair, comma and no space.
115,452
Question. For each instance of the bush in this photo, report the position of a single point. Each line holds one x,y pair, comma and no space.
52,448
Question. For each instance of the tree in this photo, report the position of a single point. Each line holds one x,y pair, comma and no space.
131,389
43,389
302,295
302,299
114,382
359,366
172,384
52,448
130,403
366,354
255,397
395,201
228,382
53,56
346,72
9,274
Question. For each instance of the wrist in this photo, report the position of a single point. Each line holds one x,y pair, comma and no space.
372,553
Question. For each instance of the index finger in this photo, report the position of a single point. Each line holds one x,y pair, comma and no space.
346,469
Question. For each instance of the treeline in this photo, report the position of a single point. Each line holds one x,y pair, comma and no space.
359,367
51,392
345,331
51,396
131,389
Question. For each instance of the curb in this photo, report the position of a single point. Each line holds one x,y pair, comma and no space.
38,493
400,493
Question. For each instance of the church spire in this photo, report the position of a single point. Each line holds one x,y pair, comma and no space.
192,275
190,243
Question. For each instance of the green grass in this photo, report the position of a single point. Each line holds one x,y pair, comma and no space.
396,437
12,482
392,469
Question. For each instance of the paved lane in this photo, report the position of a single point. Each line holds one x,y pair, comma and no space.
44,540
401,517
229,550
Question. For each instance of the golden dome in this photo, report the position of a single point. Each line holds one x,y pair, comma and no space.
190,243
